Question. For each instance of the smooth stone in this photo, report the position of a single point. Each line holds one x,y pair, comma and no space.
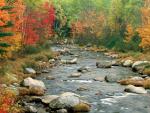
133,89
49,98
29,82
62,111
30,71
75,75
84,69
104,64
128,63
50,78
100,79
82,88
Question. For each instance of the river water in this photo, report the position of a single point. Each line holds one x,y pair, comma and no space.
104,97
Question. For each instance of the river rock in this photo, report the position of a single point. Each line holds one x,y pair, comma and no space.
68,101
128,63
133,89
112,78
38,91
75,75
82,88
73,61
49,98
104,64
82,107
29,82
50,78
31,109
139,66
84,69
100,79
30,71
62,111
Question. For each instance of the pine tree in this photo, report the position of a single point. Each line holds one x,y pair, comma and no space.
4,23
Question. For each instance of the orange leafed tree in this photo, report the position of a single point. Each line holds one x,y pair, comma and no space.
144,30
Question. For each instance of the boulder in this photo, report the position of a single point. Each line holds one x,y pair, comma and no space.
29,82
30,71
133,89
66,100
73,75
128,63
104,64
69,101
38,91
49,98
139,66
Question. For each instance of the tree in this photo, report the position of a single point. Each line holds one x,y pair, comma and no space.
4,24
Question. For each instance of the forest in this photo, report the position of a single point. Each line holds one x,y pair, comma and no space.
31,30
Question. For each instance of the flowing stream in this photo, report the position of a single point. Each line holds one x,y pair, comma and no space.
104,97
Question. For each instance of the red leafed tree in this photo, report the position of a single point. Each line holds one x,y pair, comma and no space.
39,24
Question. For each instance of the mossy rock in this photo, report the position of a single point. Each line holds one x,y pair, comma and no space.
82,107
146,70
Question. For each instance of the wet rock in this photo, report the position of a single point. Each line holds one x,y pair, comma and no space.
115,63
104,64
49,98
73,61
146,70
38,91
82,107
29,82
100,79
73,75
82,88
50,78
66,100
69,101
133,89
84,69
136,78
139,66
112,78
128,63
45,71
31,109
24,91
136,81
62,111
30,71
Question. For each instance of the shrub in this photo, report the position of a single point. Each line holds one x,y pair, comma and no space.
31,49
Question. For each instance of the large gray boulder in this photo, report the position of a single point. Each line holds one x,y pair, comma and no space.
29,82
69,101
